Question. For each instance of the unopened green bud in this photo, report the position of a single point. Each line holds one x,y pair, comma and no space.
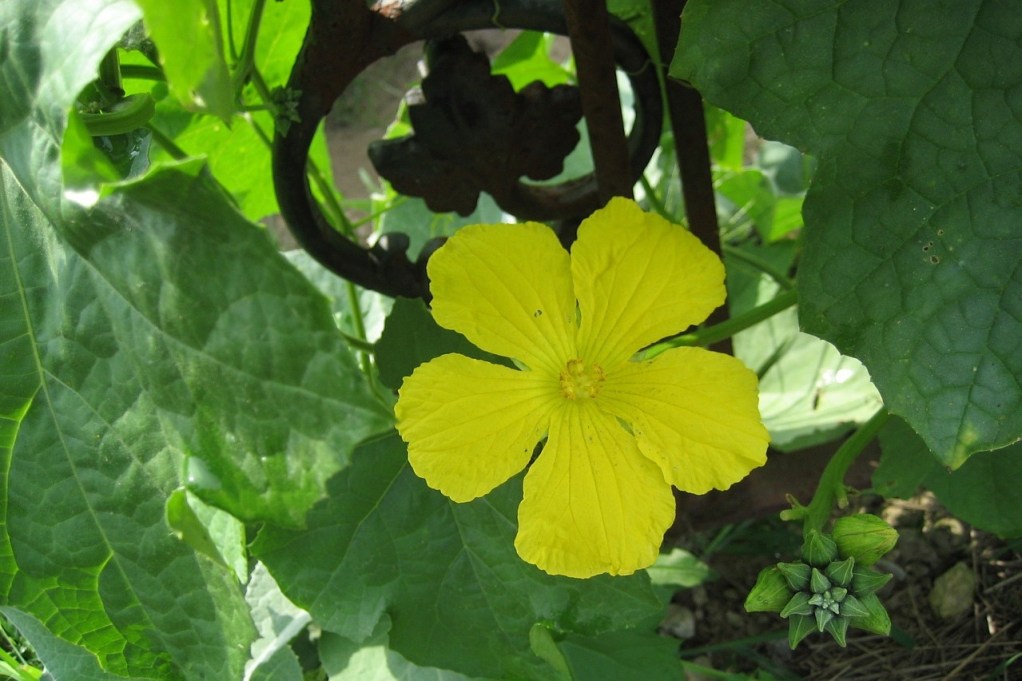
852,607
838,628
822,617
797,575
840,572
819,550
867,581
817,582
771,592
800,604
799,627
877,620
864,537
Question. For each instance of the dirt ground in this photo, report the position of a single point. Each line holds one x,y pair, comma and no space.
967,631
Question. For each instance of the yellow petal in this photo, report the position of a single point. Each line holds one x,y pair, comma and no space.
507,288
592,502
471,425
639,278
694,412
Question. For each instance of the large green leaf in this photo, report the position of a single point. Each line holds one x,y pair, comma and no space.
633,655
371,660
983,491
86,551
445,574
912,247
228,336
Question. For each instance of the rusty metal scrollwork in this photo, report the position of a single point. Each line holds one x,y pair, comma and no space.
345,37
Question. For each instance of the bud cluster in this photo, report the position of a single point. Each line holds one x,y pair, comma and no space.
834,586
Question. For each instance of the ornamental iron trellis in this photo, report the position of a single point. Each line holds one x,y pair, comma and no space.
473,133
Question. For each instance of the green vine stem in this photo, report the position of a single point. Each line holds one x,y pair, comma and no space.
726,329
831,489
246,61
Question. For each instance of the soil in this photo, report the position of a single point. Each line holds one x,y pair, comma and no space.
975,637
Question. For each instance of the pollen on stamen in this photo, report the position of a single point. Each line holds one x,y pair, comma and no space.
579,380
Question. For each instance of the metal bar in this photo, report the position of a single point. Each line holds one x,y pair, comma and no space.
589,31
688,122
685,108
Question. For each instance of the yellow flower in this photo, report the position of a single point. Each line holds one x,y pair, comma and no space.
618,432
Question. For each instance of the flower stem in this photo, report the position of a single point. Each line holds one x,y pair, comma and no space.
726,329
831,489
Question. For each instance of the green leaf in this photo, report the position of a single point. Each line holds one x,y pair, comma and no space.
678,568
372,306
809,392
238,153
61,659
911,240
410,216
527,59
983,492
346,660
281,32
278,621
411,337
84,547
188,35
446,574
634,654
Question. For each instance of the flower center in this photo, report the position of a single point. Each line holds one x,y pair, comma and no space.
580,381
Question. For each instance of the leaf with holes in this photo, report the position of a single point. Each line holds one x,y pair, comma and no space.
913,256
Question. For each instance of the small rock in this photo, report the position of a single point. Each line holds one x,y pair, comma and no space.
679,622
952,591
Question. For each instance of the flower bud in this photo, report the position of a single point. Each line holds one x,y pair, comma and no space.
864,537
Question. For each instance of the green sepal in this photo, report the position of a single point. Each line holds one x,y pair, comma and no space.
800,626
852,607
877,621
864,537
838,593
867,581
822,617
838,628
818,583
771,592
819,549
797,605
840,572
797,575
